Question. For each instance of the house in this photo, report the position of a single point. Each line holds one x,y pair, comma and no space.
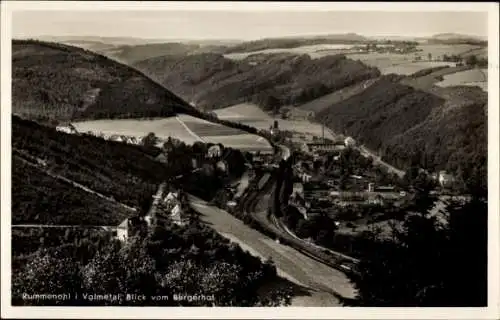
371,187
384,189
162,157
305,177
171,197
128,227
375,199
66,129
325,147
298,188
214,151
122,231
194,163
349,142
177,215
445,179
115,137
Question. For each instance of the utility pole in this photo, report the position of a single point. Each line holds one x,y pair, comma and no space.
323,131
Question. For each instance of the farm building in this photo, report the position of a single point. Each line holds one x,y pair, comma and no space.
325,147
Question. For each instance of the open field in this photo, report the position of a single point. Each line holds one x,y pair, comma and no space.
204,128
252,115
246,111
387,62
427,81
473,77
182,127
382,60
412,67
163,128
438,50
244,142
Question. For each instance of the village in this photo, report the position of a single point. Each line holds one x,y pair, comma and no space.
328,176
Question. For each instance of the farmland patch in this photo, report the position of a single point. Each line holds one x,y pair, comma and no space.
163,128
412,67
473,77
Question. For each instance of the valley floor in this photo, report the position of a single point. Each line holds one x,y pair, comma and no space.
291,264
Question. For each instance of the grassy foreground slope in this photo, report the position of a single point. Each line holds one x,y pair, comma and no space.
212,81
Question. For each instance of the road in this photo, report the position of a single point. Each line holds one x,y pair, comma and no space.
376,159
323,284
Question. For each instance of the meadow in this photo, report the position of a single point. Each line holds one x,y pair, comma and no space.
412,67
405,64
473,77
183,127
163,128
252,115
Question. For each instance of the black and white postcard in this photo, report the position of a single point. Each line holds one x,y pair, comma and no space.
187,159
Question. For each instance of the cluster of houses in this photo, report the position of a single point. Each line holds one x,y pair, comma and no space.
168,208
70,129
328,147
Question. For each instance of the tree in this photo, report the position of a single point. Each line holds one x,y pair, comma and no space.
46,272
150,140
424,267
471,60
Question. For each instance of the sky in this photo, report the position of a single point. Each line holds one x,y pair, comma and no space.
243,25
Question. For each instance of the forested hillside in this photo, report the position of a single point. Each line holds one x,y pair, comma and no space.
437,129
55,81
211,81
127,173
132,53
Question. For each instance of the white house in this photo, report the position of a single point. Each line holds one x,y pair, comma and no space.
306,177
445,179
171,196
177,215
214,151
349,142
64,129
122,231
298,188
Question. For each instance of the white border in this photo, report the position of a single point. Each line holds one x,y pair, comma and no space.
492,312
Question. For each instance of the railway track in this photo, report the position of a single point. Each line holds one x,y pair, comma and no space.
269,225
